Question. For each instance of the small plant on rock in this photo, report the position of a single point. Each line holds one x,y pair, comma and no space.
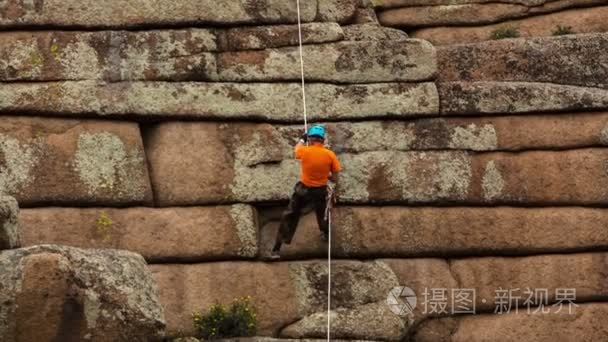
237,320
505,32
104,225
563,30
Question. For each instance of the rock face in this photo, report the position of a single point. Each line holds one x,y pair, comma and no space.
271,339
366,232
556,324
182,55
172,234
298,290
584,273
58,292
583,20
377,176
272,36
122,13
372,32
448,13
297,304
573,60
406,3
107,55
476,98
9,223
345,62
166,128
494,133
366,322
56,161
260,101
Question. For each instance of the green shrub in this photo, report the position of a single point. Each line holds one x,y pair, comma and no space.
505,32
238,320
562,30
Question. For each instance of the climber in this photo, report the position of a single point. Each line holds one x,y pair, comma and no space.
319,165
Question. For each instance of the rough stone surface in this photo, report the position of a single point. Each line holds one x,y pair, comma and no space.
408,3
468,98
108,55
435,177
297,302
283,293
71,294
182,55
59,161
337,10
182,174
370,321
127,13
263,37
366,16
539,177
9,223
587,273
179,180
271,339
343,62
246,169
472,14
583,323
583,20
367,232
361,32
267,101
494,133
489,276
185,339
159,235
469,14
574,59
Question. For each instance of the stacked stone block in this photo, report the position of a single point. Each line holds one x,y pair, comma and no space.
166,129
445,22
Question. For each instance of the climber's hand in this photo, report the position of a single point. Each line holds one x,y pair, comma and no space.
304,138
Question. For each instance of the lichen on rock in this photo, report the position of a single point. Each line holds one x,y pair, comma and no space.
17,162
103,163
260,182
112,294
492,183
246,229
9,223
473,137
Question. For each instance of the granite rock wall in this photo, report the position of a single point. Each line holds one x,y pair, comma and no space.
166,129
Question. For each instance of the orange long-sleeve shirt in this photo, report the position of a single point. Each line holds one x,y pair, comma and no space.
318,163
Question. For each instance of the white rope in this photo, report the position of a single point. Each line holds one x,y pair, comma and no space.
302,70
329,275
329,213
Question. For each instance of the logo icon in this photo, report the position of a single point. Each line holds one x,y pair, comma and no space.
401,300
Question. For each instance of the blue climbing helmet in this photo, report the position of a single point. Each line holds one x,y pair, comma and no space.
317,132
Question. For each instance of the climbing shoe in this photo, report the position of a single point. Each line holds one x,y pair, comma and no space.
274,255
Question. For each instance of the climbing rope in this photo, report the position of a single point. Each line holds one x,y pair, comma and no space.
330,195
302,69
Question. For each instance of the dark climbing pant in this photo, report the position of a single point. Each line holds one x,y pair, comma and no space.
302,197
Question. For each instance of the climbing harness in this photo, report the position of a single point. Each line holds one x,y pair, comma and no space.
328,210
